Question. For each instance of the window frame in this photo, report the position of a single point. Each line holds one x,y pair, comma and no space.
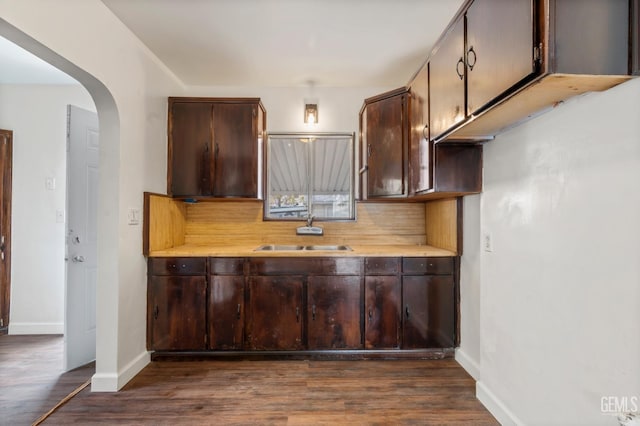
351,136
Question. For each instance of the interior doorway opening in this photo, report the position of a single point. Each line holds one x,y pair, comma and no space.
107,225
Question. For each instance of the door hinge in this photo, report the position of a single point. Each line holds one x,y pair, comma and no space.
537,53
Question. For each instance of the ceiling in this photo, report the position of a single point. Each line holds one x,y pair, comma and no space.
271,43
288,43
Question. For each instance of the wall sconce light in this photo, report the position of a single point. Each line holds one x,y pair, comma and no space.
311,113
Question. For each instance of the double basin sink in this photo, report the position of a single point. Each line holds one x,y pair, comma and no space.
284,247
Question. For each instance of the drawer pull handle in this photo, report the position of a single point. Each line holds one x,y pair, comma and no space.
155,312
460,73
238,313
471,63
297,314
406,311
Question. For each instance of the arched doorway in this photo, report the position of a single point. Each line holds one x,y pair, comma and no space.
106,321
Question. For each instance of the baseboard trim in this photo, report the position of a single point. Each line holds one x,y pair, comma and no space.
112,382
36,328
495,406
469,364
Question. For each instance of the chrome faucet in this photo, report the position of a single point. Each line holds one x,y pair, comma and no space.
309,229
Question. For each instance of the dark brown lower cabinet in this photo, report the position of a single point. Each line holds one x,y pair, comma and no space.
382,304
333,312
177,311
297,304
275,314
226,312
428,311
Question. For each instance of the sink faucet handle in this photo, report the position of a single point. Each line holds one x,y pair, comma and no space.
309,220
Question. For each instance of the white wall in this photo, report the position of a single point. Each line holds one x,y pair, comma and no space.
129,87
468,354
338,107
37,114
559,294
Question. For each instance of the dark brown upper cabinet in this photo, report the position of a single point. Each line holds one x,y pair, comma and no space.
467,72
434,170
501,61
384,130
215,147
446,85
499,49
420,144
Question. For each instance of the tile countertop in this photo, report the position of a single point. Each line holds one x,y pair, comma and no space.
249,251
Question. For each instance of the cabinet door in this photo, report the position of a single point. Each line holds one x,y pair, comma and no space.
333,312
177,312
499,48
429,312
275,313
420,146
446,82
226,312
190,150
385,147
382,306
235,150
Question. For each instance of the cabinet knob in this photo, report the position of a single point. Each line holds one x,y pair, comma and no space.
370,315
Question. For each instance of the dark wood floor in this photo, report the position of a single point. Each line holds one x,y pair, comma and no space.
284,392
31,377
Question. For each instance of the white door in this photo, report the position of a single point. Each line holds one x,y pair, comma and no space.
82,203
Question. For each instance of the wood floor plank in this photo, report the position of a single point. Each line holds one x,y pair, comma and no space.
32,379
289,392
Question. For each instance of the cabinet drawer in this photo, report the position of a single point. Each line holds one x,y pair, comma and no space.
381,265
427,265
226,266
306,266
177,266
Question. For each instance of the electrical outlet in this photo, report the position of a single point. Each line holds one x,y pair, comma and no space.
487,242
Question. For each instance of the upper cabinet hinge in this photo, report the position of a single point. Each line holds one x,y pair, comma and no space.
537,53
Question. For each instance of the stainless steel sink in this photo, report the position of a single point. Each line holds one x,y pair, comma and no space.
279,247
286,247
328,248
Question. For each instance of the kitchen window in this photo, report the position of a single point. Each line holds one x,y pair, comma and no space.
310,174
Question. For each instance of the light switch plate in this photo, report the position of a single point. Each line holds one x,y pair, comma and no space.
487,242
134,216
